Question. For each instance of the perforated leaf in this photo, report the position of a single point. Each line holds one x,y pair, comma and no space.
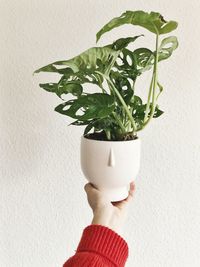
154,22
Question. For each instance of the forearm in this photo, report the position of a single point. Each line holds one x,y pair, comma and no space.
108,219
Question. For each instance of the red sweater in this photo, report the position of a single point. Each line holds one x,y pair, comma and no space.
99,247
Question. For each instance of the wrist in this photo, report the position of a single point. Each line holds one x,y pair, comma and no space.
107,219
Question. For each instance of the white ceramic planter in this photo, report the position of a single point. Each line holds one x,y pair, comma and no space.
110,165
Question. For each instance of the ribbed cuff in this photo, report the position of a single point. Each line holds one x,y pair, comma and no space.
105,242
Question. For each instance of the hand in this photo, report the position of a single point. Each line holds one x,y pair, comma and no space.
106,213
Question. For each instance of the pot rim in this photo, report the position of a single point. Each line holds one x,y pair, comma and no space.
110,141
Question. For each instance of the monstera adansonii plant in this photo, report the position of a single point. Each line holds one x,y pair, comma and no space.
115,111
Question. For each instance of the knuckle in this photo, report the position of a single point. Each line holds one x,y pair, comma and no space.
86,187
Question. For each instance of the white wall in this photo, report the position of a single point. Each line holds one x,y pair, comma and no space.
43,208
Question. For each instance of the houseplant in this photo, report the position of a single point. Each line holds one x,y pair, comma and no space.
110,147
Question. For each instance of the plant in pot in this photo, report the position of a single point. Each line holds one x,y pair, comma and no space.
110,147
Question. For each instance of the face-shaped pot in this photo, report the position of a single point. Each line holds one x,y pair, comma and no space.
110,165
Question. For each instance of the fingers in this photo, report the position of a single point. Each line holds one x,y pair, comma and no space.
95,195
122,204
131,192
89,187
90,190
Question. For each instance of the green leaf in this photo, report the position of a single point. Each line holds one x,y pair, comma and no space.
49,87
144,59
126,65
103,124
88,128
154,22
137,110
84,68
80,123
158,112
63,88
167,46
55,68
85,62
136,101
91,106
123,86
123,42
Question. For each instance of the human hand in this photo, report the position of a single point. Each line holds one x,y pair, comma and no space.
106,213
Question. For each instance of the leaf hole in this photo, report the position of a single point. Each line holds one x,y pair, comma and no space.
59,67
89,78
66,108
80,112
129,60
119,62
121,55
125,87
167,46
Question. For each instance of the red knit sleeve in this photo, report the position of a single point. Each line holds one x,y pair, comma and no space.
99,247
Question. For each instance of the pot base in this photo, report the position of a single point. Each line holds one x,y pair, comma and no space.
116,194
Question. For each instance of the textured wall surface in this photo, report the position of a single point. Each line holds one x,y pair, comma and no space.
43,207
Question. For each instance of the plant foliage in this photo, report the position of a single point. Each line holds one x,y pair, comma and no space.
117,111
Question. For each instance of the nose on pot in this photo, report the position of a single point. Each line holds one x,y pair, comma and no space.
111,158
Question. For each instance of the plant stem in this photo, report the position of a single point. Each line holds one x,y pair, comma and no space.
149,98
115,115
119,122
108,135
123,103
107,72
161,89
155,74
